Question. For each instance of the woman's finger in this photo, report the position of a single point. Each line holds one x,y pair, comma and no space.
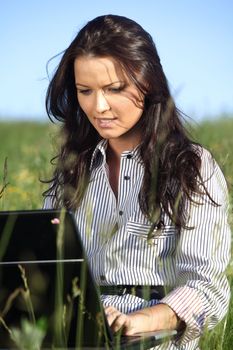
119,322
112,314
109,309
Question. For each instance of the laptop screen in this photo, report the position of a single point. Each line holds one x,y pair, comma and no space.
45,279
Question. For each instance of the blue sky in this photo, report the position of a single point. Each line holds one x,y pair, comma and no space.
194,39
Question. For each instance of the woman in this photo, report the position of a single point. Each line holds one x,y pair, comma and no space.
150,204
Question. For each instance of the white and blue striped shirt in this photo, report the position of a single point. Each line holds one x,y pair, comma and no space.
190,263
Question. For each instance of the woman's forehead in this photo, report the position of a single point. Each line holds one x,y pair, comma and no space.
105,69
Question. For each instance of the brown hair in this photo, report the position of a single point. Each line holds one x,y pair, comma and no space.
172,163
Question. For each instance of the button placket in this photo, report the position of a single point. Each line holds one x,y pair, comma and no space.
124,185
102,278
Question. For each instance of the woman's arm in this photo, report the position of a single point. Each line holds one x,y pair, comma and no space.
201,295
150,319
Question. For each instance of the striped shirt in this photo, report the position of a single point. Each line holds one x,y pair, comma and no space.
189,263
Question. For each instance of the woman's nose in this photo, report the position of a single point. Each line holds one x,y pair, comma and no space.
102,104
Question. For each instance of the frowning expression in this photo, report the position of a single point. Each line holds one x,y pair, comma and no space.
111,102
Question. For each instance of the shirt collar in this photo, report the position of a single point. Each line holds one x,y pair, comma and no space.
134,154
99,154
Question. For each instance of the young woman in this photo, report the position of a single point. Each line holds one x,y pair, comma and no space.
150,204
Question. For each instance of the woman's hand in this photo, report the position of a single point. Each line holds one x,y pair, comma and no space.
150,319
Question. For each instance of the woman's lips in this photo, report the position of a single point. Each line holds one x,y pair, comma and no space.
105,122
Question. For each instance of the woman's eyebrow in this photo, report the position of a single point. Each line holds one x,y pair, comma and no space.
80,85
114,82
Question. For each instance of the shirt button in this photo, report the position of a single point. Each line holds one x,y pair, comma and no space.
102,277
127,177
121,212
129,156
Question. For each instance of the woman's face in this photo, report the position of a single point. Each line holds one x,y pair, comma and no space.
111,102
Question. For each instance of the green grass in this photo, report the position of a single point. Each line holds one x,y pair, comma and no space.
217,137
25,152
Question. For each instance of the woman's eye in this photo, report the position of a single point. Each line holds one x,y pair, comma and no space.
85,92
115,89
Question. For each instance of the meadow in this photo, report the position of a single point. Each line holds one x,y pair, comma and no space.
25,153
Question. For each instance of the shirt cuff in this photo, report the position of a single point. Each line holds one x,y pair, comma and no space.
188,306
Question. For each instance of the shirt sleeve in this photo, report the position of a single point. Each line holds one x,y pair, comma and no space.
202,292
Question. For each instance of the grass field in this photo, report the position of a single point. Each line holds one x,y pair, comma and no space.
25,152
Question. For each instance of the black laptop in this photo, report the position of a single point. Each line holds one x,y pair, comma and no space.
45,279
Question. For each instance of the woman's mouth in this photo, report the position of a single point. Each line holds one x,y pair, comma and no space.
105,122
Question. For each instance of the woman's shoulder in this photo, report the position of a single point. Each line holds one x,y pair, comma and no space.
202,151
207,159
211,173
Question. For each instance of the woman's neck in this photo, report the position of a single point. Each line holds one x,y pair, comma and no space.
117,146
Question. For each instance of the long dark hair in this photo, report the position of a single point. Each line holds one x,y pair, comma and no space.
172,162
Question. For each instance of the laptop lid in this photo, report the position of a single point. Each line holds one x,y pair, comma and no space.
44,273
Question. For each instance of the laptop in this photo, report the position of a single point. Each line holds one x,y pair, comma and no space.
45,279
